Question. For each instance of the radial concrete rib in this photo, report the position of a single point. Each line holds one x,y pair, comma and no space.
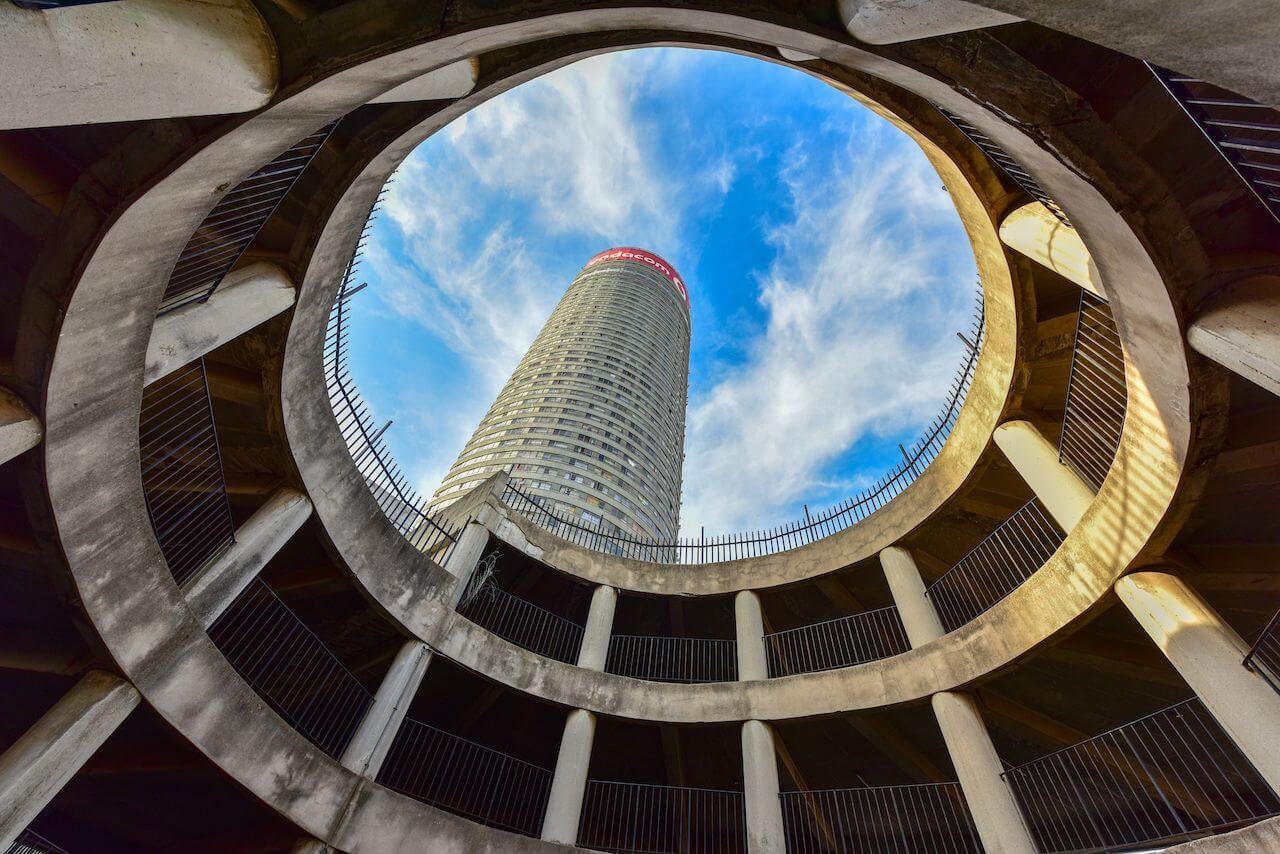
893,21
217,585
246,297
20,429
41,762
1240,330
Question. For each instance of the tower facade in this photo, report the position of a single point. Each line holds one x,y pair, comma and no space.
591,424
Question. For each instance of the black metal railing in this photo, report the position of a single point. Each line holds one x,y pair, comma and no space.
30,842
842,642
291,668
813,527
182,476
1097,394
921,819
1264,656
1170,776
404,507
1245,133
466,778
673,659
519,621
228,230
1007,164
995,567
648,819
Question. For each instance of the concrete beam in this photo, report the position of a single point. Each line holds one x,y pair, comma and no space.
145,59
595,639
569,783
765,833
369,746
918,615
893,21
41,762
1059,489
246,298
451,81
1035,232
20,429
749,628
1240,330
1209,655
211,590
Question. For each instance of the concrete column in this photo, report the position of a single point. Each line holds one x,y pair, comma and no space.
145,59
1240,330
760,788
893,21
1059,489
246,298
218,583
595,639
919,617
991,803
40,763
450,81
569,785
1209,655
369,746
1035,232
466,553
20,429
749,625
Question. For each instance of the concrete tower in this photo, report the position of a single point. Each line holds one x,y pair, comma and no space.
592,421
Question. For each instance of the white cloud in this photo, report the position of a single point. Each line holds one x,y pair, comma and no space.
862,301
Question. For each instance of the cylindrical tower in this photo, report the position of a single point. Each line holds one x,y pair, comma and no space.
591,423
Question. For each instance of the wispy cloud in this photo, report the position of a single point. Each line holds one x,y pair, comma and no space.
862,300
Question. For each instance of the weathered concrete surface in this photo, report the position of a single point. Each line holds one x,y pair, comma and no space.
765,829
369,746
892,21
1034,231
749,629
1254,839
38,765
569,782
452,81
919,617
599,629
1208,653
20,429
211,590
1059,489
247,297
1240,330
143,59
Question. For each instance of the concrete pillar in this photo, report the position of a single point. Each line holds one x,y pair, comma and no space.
760,789
749,625
1240,330
369,746
40,763
1059,489
893,21
569,785
1209,655
466,553
145,59
1035,232
919,617
595,639
991,803
20,429
450,81
211,590
245,298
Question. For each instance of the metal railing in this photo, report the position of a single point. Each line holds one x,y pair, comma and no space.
799,532
30,842
1007,164
1264,656
995,567
182,477
671,659
913,819
649,819
519,621
291,668
404,507
466,778
228,230
1097,394
1169,776
1244,132
842,642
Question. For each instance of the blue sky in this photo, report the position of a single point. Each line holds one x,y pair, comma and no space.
827,269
